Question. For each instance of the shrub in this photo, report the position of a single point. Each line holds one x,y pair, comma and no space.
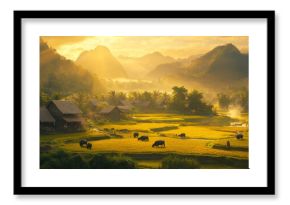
160,129
77,162
122,162
51,163
101,161
174,162
62,160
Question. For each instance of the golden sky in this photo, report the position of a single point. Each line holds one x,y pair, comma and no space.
136,46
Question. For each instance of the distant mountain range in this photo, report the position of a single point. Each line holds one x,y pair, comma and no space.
141,66
100,61
223,64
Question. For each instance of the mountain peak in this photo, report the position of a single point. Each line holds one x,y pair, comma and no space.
228,48
155,54
101,49
101,61
224,63
223,50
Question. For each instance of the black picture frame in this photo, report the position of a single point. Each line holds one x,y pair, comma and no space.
268,190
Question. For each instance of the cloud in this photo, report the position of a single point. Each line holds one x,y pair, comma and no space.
57,41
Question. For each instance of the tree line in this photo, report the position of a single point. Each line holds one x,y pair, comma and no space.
179,101
238,98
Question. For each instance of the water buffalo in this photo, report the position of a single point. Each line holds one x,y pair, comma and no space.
83,142
135,134
89,146
182,135
239,136
144,138
159,143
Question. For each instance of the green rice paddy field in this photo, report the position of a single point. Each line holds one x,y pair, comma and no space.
205,140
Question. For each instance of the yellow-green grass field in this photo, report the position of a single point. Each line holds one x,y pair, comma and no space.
205,136
173,145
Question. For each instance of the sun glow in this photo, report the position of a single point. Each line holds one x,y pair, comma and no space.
136,46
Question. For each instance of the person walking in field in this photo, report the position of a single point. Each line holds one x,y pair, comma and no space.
228,144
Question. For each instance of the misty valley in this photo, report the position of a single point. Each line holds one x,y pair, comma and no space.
111,109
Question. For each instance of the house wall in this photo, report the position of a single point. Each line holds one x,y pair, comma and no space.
73,125
60,123
47,127
115,114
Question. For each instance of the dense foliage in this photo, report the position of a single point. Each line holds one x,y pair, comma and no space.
224,101
65,160
238,98
180,101
189,103
175,162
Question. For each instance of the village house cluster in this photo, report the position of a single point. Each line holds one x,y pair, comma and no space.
66,116
59,115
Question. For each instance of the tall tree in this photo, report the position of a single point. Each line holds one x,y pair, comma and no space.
112,98
224,101
242,99
115,98
196,104
179,99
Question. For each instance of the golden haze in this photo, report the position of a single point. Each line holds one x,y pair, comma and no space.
136,46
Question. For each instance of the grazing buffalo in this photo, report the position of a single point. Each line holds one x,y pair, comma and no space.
135,134
228,144
83,142
89,146
159,143
239,136
144,138
182,135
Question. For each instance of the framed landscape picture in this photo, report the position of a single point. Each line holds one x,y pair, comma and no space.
144,102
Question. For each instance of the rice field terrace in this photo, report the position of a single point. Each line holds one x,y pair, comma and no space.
205,140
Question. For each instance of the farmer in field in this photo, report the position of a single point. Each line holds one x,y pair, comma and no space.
228,144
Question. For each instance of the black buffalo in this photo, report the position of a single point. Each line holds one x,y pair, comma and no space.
135,134
89,145
83,142
239,136
182,135
159,143
144,138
